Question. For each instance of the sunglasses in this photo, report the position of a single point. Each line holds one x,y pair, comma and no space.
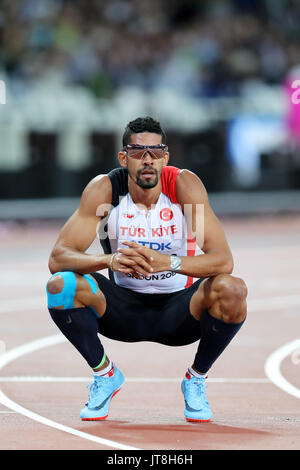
139,151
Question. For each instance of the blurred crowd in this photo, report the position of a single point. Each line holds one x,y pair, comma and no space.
201,48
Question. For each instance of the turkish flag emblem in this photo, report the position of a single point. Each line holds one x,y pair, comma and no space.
166,214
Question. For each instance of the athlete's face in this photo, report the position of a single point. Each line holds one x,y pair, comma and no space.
145,172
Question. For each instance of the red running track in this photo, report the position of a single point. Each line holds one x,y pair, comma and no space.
43,390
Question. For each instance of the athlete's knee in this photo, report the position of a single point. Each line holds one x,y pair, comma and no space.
55,284
227,286
229,293
71,290
61,290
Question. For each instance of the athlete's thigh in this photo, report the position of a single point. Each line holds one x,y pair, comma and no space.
134,317
178,325
126,316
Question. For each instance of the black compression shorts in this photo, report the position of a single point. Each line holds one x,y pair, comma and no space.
161,318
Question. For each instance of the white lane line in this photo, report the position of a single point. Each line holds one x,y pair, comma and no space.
254,305
33,346
36,417
50,379
272,367
20,305
273,303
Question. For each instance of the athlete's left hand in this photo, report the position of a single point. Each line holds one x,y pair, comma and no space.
158,261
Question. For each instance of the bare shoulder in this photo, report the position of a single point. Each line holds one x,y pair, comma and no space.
190,188
97,192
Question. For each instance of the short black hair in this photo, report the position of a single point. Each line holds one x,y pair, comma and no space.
143,124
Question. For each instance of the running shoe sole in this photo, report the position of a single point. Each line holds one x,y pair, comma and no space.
193,420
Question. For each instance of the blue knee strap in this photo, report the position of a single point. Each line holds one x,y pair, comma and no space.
64,298
92,283
94,288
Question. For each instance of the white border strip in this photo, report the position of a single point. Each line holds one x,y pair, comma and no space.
272,367
33,346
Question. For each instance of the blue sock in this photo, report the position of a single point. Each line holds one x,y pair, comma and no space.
80,327
215,337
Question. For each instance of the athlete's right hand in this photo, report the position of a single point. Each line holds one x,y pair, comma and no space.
134,264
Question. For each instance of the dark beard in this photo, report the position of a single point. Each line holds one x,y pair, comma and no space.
144,183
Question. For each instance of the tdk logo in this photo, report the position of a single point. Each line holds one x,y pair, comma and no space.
156,246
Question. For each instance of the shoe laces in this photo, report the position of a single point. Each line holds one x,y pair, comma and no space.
197,387
93,387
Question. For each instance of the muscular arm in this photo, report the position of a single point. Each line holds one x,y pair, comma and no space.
79,232
216,257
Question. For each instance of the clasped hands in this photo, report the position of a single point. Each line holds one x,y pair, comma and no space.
139,260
